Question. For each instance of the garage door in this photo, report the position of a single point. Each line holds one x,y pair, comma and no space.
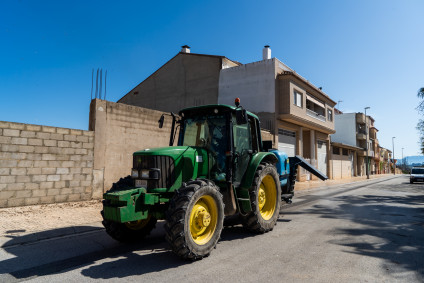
287,142
322,156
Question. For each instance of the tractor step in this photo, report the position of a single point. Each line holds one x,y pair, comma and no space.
287,198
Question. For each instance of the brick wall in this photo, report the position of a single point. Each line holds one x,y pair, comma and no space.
41,164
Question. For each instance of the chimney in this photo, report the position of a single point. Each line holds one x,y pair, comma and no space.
266,52
185,49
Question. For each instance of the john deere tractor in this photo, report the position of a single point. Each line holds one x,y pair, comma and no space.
220,168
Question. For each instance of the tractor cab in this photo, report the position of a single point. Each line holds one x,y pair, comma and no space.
229,135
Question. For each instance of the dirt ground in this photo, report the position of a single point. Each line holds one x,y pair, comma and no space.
28,219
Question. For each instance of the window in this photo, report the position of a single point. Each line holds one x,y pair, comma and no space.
336,150
330,115
345,152
297,98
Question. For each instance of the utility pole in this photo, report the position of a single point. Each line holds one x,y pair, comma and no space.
338,104
366,132
394,163
403,162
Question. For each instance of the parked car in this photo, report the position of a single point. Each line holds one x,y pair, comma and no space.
417,175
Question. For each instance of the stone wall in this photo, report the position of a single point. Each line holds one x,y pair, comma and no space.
41,164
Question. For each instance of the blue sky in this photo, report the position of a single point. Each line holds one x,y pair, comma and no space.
365,53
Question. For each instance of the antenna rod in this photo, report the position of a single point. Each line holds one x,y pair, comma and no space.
92,78
105,84
97,82
100,89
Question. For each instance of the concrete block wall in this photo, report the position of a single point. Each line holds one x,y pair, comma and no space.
41,164
120,130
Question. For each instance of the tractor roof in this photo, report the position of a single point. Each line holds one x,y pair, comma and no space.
211,106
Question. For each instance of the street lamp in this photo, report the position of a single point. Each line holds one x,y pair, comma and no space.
366,132
403,161
394,163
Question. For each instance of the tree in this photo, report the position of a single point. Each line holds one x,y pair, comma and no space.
420,125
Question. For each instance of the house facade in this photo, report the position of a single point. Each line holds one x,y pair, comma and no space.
298,115
354,129
186,80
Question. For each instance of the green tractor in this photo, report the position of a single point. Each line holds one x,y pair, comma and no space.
220,168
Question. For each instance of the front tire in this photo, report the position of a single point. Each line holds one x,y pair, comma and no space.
195,219
129,232
265,199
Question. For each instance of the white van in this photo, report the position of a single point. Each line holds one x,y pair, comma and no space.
417,175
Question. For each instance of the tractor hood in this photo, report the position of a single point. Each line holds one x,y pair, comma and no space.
176,152
189,162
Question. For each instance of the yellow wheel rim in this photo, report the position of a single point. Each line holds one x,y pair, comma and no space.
203,220
137,225
267,197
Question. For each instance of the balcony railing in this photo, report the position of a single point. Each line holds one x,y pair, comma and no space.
315,115
361,136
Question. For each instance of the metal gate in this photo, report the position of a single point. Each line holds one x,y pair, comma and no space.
322,156
287,142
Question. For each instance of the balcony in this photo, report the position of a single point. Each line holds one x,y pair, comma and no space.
360,118
315,115
364,153
361,136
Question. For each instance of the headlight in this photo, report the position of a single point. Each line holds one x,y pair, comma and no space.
134,173
145,174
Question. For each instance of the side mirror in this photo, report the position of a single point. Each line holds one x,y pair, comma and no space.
162,118
241,116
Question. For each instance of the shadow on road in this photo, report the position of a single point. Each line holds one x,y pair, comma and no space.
122,260
392,225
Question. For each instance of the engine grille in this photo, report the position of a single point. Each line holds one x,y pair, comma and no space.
164,163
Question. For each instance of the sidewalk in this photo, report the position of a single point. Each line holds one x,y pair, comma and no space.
21,225
300,186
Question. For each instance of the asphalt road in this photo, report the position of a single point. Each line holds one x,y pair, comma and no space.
361,232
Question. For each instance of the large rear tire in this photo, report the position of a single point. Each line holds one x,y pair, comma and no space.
194,219
265,199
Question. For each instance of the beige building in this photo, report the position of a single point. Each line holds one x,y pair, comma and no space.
359,132
343,160
305,120
186,80
299,115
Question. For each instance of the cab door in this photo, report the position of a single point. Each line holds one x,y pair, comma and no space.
245,143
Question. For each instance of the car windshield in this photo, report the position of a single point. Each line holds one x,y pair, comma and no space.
417,171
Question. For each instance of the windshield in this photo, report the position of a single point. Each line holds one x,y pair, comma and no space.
209,132
417,171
